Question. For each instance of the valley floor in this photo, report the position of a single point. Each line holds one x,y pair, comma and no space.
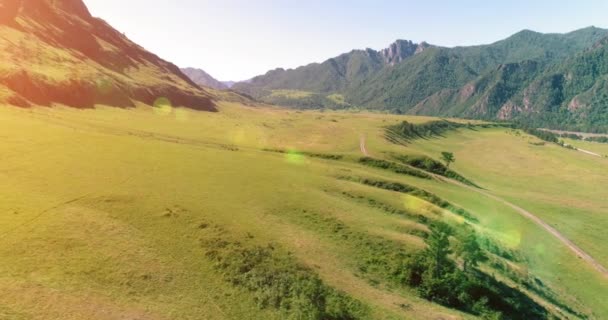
124,213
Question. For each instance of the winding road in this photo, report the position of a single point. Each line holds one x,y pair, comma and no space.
563,239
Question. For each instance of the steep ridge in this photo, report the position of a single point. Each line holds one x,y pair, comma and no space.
55,51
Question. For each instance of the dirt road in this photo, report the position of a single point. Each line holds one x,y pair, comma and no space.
362,146
589,152
563,239
567,242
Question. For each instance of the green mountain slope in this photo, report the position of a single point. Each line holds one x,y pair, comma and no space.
336,75
476,81
483,97
412,80
570,94
573,94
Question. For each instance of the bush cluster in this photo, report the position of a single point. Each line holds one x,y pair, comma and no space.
433,166
325,156
440,279
422,194
394,167
278,281
410,131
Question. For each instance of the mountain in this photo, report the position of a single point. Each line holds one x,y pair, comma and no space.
229,84
572,93
203,79
55,51
322,84
482,97
335,75
474,81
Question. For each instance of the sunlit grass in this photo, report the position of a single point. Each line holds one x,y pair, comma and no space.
117,215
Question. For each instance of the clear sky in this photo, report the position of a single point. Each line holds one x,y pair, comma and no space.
239,39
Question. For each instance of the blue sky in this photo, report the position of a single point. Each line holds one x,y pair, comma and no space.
238,39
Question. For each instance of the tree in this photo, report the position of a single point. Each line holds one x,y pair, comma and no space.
438,281
439,248
470,251
448,158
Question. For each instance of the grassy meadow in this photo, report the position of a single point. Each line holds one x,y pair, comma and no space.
139,213
595,147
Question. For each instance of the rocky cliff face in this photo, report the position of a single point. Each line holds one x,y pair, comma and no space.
55,51
401,50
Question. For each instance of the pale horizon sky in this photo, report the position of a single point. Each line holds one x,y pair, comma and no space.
239,39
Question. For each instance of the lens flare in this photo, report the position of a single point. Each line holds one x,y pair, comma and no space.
511,238
238,136
294,157
162,106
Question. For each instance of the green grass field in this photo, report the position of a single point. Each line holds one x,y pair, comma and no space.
108,213
595,147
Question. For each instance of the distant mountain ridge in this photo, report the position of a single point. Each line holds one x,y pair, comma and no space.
229,84
569,93
203,79
485,81
334,74
55,51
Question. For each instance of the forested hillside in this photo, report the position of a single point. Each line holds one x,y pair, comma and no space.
553,80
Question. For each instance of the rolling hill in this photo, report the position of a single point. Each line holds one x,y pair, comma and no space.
54,51
476,82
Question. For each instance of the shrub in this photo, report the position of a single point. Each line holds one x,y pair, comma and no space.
597,139
422,194
433,166
394,167
409,131
277,281
325,156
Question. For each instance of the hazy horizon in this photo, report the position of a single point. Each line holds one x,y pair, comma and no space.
288,34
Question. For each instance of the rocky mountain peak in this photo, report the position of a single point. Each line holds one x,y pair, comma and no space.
401,50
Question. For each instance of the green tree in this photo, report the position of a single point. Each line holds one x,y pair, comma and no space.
439,248
438,279
470,251
448,158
